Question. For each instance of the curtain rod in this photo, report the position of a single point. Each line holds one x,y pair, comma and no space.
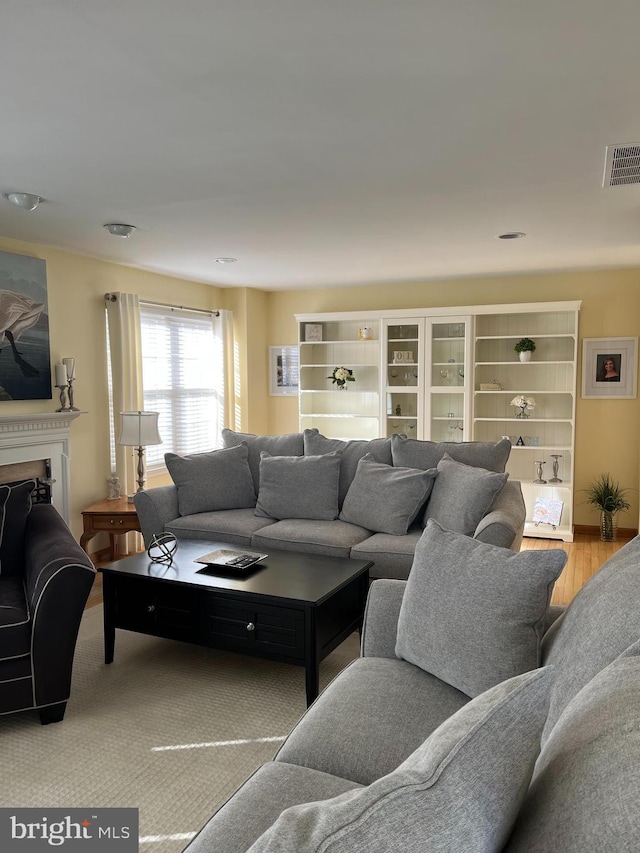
214,311
111,297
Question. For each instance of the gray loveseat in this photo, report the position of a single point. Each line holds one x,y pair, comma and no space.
362,499
394,756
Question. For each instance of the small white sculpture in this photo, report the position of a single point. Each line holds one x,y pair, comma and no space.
114,488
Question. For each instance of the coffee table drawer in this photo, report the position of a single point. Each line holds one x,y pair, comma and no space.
236,624
152,608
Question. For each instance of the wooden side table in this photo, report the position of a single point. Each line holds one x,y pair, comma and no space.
112,517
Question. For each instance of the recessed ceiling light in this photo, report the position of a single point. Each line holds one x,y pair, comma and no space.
26,201
226,260
511,235
119,229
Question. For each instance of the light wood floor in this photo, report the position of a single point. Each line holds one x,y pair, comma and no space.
586,554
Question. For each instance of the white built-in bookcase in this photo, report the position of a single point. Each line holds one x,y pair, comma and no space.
420,372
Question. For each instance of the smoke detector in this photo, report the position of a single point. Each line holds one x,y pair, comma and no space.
622,165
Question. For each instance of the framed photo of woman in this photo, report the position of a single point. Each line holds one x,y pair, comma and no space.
610,368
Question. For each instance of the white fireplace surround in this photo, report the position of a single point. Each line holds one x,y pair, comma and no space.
30,438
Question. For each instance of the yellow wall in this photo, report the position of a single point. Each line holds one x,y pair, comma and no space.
607,431
75,288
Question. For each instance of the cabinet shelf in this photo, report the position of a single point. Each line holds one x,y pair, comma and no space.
525,421
358,341
517,337
537,363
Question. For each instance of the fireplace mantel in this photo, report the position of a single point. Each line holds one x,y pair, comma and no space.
27,438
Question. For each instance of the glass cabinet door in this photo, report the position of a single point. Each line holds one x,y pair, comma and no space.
447,416
403,354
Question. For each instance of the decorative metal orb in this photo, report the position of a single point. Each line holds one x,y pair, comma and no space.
162,547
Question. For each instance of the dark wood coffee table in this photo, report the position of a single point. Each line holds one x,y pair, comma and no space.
294,608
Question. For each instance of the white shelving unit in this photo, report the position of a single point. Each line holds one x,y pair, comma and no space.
550,378
421,372
354,412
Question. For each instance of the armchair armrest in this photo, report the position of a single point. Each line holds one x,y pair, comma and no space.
155,508
381,614
58,579
503,525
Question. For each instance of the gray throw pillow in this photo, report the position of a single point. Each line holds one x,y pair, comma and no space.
315,444
462,495
586,786
290,444
384,498
473,614
15,506
413,453
207,482
299,486
460,790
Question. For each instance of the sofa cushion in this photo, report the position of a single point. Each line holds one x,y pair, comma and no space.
586,785
290,444
413,453
207,482
316,444
384,498
15,624
259,802
370,718
462,495
392,555
460,790
235,526
15,506
474,614
600,623
299,486
329,538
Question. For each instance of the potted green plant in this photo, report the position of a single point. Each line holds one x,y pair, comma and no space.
605,494
524,348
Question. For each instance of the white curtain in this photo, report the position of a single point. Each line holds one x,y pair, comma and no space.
123,319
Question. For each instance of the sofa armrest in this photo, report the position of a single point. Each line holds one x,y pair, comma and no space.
58,579
503,525
381,614
155,508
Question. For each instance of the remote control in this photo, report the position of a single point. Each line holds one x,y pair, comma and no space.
241,562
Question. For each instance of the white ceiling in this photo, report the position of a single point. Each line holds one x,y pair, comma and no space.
322,142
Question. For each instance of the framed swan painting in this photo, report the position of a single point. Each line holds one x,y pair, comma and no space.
25,363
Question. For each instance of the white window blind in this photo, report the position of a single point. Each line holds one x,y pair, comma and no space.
183,379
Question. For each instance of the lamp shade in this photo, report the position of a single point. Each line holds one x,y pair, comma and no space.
139,429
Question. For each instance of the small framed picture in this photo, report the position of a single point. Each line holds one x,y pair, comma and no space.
283,371
312,332
610,368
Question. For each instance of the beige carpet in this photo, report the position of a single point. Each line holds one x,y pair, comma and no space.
228,714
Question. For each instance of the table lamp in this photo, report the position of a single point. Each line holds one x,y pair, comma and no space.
139,430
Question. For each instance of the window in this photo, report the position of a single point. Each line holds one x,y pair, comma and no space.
183,379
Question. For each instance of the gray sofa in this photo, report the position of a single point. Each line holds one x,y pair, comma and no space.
395,755
362,499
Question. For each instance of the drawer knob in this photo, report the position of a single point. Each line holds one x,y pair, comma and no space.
120,522
251,627
111,521
151,608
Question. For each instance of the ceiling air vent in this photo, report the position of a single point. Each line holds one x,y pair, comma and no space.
622,165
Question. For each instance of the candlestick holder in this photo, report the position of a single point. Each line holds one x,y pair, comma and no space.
555,457
72,408
540,465
63,399
70,367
